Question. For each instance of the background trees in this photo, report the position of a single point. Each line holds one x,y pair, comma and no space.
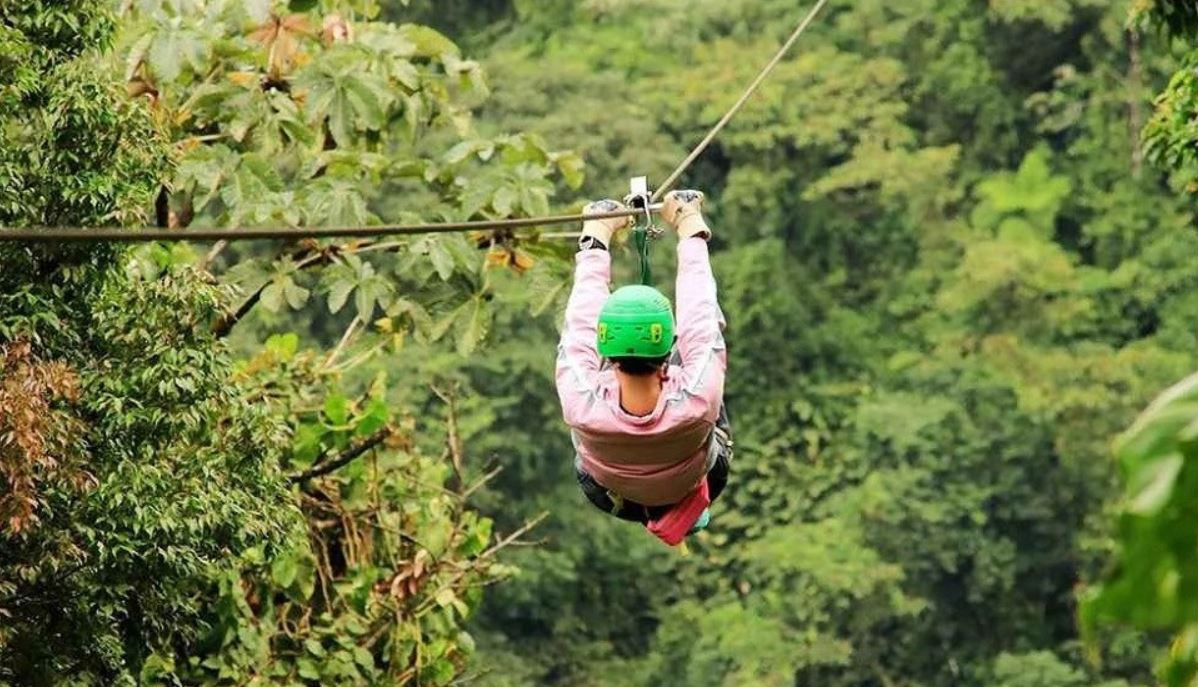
180,508
952,276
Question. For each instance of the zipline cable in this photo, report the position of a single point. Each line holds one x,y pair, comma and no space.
79,235
668,184
117,234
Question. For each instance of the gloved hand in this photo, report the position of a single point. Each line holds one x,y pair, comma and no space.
603,229
683,210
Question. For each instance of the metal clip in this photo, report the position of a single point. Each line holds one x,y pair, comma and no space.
640,198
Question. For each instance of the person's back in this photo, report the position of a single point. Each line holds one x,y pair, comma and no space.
643,420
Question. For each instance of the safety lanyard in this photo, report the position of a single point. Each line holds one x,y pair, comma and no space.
645,231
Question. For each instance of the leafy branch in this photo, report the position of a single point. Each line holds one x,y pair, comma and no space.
324,467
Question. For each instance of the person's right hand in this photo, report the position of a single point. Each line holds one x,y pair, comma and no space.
683,210
603,229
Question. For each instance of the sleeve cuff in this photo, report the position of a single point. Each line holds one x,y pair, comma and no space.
590,243
693,247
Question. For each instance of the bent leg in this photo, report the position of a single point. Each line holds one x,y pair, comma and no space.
717,477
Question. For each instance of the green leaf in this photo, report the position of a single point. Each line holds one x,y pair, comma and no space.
1155,484
445,597
364,658
572,168
339,294
283,570
272,297
283,346
175,47
428,42
474,330
314,647
1156,434
466,643
364,300
305,579
297,296
336,203
406,74
376,416
442,672
307,669
461,151
442,260
136,55
306,446
302,5
336,409
477,541
504,201
350,98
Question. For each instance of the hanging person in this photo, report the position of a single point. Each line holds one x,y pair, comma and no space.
644,397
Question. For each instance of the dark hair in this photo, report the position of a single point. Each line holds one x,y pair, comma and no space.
640,367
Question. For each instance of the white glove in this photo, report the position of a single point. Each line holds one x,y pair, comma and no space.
683,210
603,229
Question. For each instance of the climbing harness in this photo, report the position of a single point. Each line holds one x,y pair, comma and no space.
109,234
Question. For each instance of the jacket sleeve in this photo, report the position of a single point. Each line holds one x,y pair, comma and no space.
700,325
578,359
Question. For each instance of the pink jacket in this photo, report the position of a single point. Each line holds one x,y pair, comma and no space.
660,458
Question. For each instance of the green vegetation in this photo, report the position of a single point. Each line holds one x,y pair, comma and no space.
953,271
182,509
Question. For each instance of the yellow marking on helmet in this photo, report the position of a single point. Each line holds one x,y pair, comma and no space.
655,333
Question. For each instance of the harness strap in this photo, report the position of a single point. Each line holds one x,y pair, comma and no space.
640,236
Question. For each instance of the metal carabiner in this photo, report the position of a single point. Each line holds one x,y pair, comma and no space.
639,198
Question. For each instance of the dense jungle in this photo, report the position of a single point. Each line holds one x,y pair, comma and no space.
955,243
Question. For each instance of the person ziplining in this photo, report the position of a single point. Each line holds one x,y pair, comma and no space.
642,392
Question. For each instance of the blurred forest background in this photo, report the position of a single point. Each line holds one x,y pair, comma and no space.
955,243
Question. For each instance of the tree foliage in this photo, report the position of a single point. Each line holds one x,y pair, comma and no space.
952,275
950,279
182,509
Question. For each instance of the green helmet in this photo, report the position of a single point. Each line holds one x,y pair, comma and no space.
636,322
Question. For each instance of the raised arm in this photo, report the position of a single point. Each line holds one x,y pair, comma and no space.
700,320
578,358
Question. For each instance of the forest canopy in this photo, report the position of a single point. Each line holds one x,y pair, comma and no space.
954,244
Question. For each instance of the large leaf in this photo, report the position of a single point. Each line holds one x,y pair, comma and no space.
175,47
347,98
427,42
336,203
476,320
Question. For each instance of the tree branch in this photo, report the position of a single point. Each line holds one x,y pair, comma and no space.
453,444
1135,78
349,332
308,257
482,482
226,323
212,255
512,539
352,453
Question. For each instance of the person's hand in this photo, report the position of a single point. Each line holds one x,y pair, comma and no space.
683,210
603,229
